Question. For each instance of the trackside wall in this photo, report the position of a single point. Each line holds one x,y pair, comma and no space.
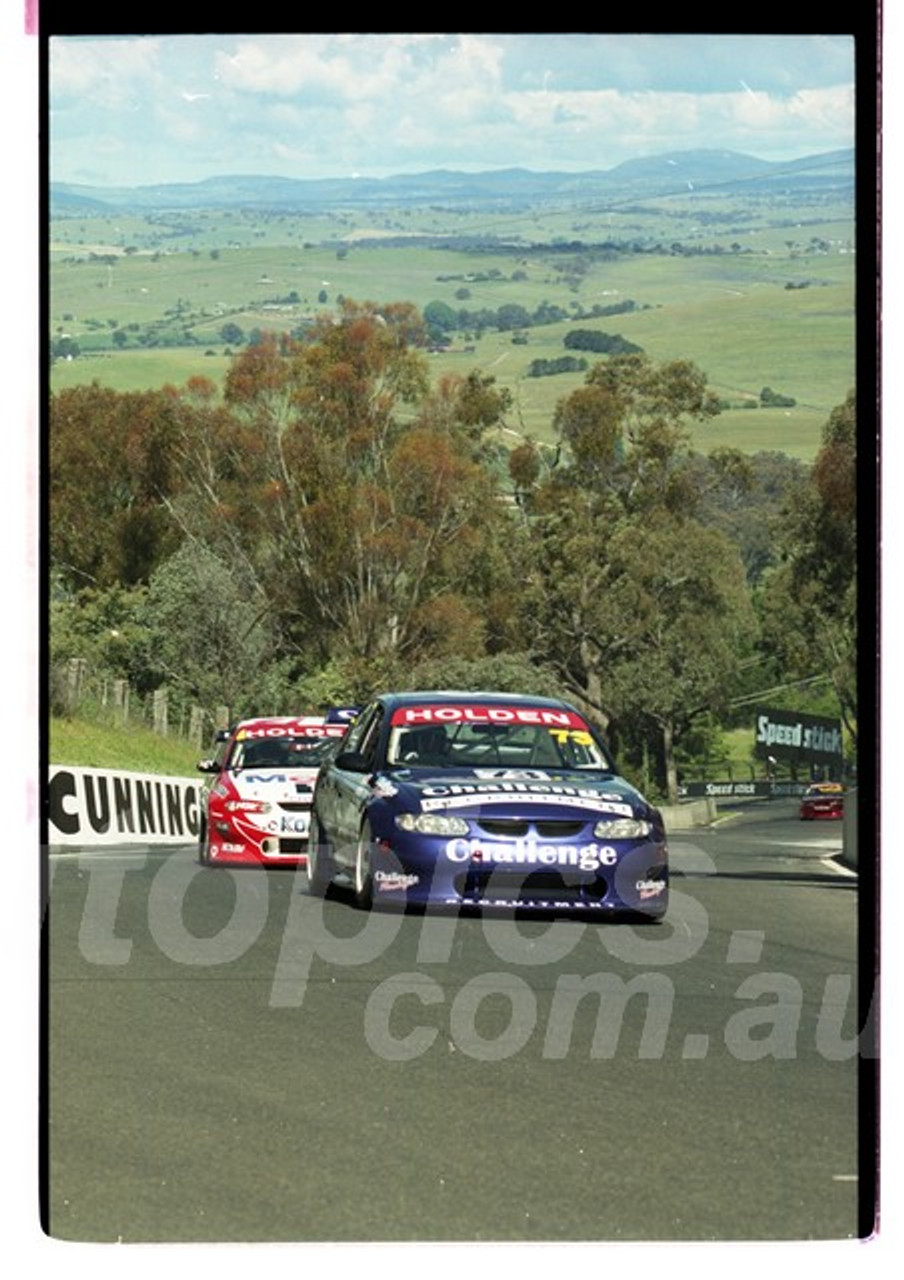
112,806
849,836
681,817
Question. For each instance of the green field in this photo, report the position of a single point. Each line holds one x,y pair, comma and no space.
767,304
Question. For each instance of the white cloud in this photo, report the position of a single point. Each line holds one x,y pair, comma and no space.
108,71
258,67
373,67
317,105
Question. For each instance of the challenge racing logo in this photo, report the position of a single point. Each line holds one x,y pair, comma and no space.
530,853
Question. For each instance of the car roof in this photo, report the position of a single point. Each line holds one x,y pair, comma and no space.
278,722
492,697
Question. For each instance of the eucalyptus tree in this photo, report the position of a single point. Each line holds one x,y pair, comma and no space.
811,600
348,495
643,611
110,476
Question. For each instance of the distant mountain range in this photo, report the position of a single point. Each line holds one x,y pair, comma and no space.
650,176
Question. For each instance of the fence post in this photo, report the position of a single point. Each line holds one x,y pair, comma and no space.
196,726
121,698
75,677
161,710
222,718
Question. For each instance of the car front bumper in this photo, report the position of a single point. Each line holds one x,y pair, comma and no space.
622,876
238,841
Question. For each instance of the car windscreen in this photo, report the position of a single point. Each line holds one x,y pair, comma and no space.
280,753
473,737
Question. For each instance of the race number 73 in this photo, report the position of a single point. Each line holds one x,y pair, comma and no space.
580,736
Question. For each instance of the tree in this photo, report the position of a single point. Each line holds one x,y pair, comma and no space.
524,466
110,474
232,334
773,400
682,620
439,317
644,622
626,431
512,316
810,601
64,348
206,640
743,495
343,494
641,610
470,405
105,626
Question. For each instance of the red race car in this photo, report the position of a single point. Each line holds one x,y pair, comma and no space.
823,800
257,807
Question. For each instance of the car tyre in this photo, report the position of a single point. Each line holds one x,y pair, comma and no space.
203,845
320,862
364,876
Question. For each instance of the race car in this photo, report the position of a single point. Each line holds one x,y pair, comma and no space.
822,800
257,807
484,800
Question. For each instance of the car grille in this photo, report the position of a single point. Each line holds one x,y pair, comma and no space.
295,806
528,886
515,828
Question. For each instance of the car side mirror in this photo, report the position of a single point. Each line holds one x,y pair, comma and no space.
208,766
352,762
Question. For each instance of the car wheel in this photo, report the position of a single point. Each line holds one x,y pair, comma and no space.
203,845
364,876
320,863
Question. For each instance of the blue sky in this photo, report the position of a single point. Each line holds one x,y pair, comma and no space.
133,110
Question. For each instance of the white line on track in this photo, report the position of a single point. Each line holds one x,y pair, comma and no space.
839,867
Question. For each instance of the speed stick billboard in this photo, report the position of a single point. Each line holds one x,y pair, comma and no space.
798,739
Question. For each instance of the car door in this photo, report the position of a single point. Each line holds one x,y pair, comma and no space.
351,791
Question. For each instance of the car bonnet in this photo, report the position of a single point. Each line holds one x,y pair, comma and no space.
510,790
281,783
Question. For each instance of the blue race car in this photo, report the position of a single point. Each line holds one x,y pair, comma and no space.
484,800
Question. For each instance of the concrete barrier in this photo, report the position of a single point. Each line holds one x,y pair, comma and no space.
88,807
849,829
682,817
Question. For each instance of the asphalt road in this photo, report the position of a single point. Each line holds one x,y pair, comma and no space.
229,1059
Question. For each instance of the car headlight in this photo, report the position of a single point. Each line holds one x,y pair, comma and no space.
432,824
247,806
622,828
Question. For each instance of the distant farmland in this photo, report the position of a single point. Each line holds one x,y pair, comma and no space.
756,306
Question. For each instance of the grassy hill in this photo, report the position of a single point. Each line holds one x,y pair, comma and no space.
757,293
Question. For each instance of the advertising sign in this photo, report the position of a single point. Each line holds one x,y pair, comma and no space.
110,806
797,738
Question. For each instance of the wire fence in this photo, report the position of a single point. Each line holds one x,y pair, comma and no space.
78,690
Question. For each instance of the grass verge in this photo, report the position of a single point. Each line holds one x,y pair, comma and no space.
139,750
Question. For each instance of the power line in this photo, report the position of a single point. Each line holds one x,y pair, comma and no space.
779,688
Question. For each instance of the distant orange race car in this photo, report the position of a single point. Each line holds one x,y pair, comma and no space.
823,800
